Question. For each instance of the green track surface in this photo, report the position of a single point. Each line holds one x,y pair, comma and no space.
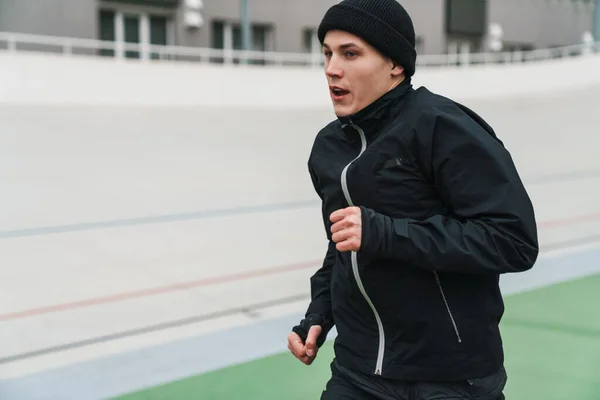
551,338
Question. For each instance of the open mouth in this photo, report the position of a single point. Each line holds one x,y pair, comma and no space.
338,92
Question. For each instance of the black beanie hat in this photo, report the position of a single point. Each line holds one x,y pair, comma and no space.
384,24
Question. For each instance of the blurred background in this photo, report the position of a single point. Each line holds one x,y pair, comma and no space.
158,226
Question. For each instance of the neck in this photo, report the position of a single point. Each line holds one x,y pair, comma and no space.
396,82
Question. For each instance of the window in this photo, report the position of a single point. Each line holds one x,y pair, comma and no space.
312,46
107,30
131,32
129,27
466,17
420,45
218,35
260,37
310,41
228,36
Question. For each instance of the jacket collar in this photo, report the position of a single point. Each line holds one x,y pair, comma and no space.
369,117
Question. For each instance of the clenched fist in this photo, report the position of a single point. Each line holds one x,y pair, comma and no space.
305,352
347,228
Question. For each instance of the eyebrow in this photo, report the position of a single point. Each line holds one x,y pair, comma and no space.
343,46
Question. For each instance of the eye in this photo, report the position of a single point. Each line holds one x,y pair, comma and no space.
350,54
327,53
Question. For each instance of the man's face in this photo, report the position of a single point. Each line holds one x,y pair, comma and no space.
357,74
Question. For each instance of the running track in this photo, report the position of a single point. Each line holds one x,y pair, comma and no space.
118,297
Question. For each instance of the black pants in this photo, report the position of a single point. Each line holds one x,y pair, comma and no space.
348,385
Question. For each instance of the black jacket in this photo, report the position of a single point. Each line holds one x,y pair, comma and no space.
444,213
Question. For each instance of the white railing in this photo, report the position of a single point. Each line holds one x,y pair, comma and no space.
19,42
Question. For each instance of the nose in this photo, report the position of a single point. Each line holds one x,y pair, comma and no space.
333,68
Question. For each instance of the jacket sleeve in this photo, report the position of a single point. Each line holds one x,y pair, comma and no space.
491,227
319,309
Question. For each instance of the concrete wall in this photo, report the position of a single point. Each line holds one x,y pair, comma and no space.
429,24
540,23
288,19
50,17
42,78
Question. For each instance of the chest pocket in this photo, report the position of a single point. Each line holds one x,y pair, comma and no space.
403,190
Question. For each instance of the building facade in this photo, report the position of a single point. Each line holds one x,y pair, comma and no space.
442,26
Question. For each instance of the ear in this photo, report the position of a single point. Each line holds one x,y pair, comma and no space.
397,69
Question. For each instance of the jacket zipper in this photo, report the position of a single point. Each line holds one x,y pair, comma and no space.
354,257
439,283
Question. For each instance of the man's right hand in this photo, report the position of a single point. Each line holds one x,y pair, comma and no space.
305,352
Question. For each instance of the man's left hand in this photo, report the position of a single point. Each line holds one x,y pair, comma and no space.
347,228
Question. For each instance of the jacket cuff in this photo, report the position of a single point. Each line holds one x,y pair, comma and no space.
375,232
313,319
384,237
